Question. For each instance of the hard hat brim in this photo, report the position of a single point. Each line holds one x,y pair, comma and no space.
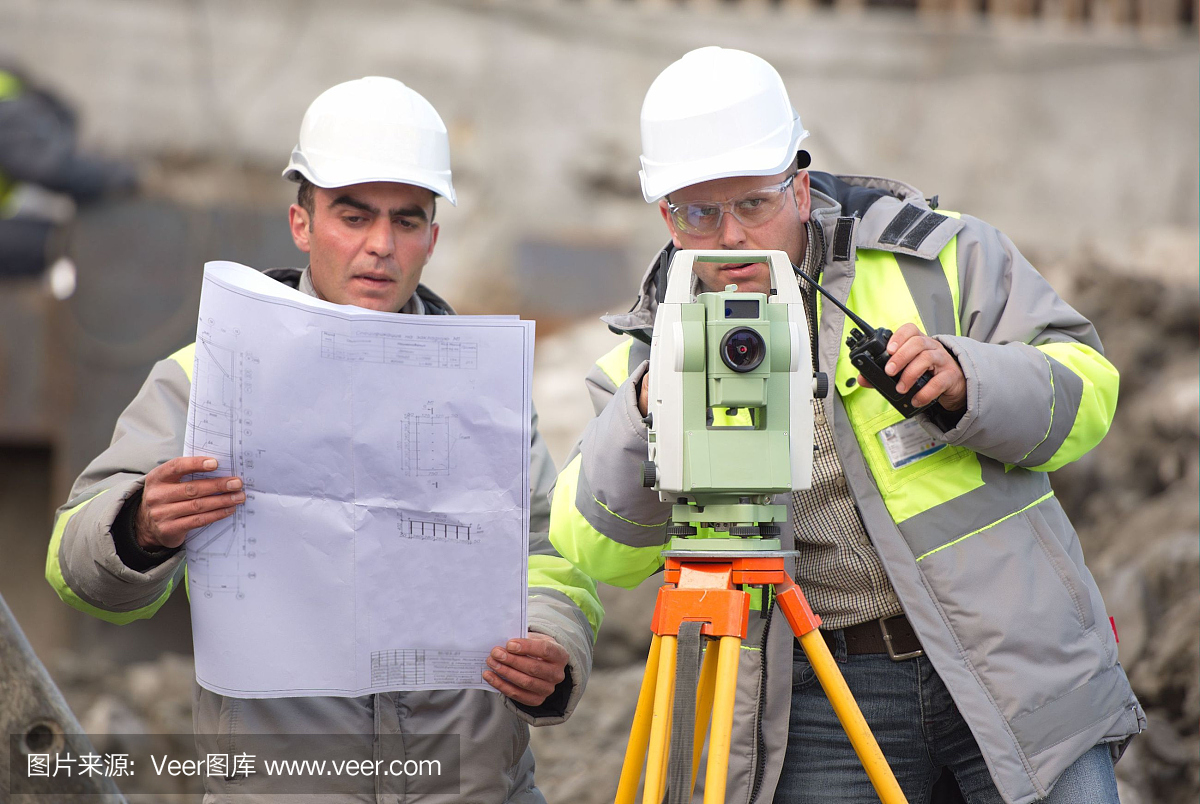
766,161
345,173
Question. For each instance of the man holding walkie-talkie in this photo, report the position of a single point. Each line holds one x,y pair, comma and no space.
950,584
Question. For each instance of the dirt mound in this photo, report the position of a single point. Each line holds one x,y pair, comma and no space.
1135,504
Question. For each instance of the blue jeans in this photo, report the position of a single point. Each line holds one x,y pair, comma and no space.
920,731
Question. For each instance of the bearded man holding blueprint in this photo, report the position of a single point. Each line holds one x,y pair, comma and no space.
362,489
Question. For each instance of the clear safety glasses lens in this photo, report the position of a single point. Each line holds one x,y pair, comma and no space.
752,209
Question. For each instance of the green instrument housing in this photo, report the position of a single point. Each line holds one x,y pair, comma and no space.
743,452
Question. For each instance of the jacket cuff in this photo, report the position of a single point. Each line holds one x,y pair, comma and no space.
553,707
944,420
953,428
1009,398
575,638
125,541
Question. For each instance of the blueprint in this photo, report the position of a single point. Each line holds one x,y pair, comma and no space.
383,541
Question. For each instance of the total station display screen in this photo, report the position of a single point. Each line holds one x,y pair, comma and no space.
741,308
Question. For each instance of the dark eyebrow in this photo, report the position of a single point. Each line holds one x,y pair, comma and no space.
413,211
350,201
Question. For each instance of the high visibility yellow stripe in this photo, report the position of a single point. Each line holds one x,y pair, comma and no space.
589,549
55,577
949,260
10,86
186,358
615,364
559,574
881,296
1096,406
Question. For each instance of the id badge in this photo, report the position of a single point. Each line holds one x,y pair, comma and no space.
907,442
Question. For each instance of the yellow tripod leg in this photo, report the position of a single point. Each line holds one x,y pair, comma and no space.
639,734
704,706
660,725
851,717
730,648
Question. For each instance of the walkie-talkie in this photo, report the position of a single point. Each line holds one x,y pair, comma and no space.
868,353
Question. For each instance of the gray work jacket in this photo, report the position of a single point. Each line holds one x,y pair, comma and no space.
496,763
992,578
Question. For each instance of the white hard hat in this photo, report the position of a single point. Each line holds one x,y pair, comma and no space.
372,129
716,113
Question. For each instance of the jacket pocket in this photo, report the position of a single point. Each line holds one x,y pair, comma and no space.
955,466
1066,569
1019,610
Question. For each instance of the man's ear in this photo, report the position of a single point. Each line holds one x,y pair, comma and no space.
299,222
433,236
666,214
803,195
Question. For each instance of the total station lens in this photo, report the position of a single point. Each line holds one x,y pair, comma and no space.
742,349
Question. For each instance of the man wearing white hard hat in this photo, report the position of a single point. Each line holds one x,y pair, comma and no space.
951,586
372,159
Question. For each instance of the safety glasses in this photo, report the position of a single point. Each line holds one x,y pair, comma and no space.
753,209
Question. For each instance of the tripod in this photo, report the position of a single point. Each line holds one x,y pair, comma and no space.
747,355
700,597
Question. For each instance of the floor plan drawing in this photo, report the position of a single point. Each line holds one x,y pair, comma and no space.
427,443
214,395
217,553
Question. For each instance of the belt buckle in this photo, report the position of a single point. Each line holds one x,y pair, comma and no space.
887,641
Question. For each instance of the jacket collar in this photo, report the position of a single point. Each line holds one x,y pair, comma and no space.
423,302
886,215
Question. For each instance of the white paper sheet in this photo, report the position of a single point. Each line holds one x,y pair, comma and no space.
383,541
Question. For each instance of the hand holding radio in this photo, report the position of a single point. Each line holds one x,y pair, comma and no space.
922,364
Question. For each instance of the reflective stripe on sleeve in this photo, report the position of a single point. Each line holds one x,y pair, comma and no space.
1093,409
71,598
589,549
560,575
615,364
186,358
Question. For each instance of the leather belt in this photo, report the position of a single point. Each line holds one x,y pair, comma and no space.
891,635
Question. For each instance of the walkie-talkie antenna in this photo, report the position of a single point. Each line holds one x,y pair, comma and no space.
853,317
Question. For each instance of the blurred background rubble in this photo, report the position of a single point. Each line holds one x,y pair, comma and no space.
1071,124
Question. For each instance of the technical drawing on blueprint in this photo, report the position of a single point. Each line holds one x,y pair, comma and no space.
404,349
417,667
428,441
220,554
436,528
